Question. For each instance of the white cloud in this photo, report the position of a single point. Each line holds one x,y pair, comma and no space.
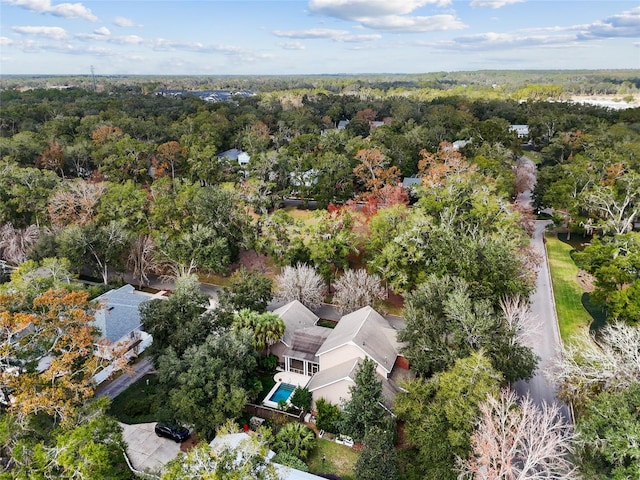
102,31
391,15
311,33
125,22
356,9
127,39
498,41
359,38
54,33
626,24
397,23
66,10
5,41
292,46
326,33
239,53
493,3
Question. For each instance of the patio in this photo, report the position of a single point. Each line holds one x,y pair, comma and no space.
280,378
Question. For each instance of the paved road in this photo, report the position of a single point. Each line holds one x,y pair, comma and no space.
120,384
547,343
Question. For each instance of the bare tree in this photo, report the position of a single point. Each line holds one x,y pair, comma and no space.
301,283
142,258
519,441
75,203
589,365
356,289
16,243
618,204
521,320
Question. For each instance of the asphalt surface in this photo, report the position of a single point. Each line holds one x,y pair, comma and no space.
119,384
546,343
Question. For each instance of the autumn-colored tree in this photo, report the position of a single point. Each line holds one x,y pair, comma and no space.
52,158
170,157
75,203
434,168
367,114
104,134
54,340
373,171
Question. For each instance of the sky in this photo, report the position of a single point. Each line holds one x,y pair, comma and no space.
290,37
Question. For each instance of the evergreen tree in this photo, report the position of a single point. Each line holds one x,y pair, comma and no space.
377,461
365,409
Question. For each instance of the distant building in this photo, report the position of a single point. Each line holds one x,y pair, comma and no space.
521,130
342,124
235,155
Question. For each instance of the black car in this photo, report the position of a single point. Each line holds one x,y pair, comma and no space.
177,433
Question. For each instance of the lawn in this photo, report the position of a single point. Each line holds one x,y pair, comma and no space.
339,459
138,403
572,315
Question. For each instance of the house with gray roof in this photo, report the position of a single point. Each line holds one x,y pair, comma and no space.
235,155
331,357
118,319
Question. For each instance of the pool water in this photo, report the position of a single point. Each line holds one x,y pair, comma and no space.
283,392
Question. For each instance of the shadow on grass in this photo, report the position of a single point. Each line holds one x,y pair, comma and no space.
596,311
137,404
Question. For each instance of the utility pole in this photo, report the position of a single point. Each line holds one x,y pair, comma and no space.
93,76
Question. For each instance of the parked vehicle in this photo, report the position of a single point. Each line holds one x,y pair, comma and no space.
177,433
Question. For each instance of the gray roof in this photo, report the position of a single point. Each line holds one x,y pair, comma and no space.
369,331
342,371
306,342
410,181
119,314
346,371
296,317
230,154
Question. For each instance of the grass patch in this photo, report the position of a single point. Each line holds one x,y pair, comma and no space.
138,403
572,315
339,459
308,217
267,381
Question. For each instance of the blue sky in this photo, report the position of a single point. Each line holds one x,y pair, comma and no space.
315,36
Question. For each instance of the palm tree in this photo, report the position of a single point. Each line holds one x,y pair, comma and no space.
296,439
269,330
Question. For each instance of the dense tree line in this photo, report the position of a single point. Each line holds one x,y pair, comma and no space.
126,180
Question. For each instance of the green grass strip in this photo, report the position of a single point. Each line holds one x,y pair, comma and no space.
572,315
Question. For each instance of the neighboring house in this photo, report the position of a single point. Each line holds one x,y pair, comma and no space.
331,356
342,124
410,184
521,130
235,155
119,322
240,441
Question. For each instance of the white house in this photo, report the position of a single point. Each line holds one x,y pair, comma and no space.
521,130
234,154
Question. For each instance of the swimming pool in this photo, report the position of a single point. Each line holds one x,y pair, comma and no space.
283,392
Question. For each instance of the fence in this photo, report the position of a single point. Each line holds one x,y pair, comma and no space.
272,413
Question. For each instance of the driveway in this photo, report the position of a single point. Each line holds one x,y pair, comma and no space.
145,449
546,344
119,384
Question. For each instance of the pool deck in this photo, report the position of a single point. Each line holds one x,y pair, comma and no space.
285,377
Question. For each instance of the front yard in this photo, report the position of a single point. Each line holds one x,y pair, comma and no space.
568,293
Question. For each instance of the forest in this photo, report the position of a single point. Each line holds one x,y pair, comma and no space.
365,189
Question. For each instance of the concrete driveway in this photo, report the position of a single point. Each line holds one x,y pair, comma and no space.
145,449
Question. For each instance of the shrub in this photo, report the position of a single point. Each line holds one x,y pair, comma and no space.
328,415
301,398
289,460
